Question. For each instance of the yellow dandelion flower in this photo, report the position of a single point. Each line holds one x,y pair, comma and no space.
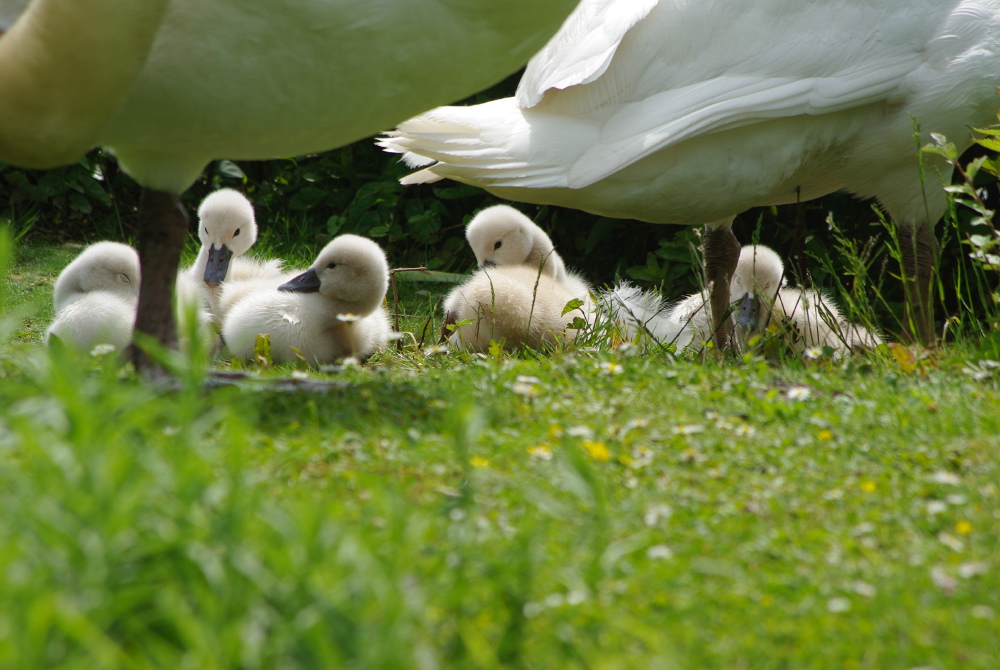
597,450
963,527
479,462
868,486
825,435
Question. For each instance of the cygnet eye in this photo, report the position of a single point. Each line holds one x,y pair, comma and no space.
331,265
498,245
237,233
124,279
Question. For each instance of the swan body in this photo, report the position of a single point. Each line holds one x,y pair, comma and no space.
514,304
227,229
689,113
169,85
196,80
333,310
683,112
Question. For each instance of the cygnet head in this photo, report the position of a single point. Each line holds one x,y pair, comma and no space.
759,274
501,235
227,229
351,270
104,266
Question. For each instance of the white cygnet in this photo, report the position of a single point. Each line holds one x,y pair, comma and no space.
761,298
95,297
227,229
103,266
332,310
515,304
501,235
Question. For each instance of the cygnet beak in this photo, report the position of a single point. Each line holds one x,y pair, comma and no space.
218,265
746,312
307,282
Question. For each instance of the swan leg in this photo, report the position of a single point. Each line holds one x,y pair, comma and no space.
163,226
722,253
919,249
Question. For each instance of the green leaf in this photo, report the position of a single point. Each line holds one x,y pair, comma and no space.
575,303
262,351
307,198
991,144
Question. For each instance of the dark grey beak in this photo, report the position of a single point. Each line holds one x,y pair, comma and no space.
218,265
307,282
746,313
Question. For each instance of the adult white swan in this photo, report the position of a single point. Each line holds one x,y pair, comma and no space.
169,85
672,111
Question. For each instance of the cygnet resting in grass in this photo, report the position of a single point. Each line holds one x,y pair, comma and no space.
330,311
808,318
95,297
805,318
502,235
515,304
227,230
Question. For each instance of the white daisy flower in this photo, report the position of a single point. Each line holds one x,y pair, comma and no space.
800,393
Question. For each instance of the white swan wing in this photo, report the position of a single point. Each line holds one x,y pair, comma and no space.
586,109
682,72
582,49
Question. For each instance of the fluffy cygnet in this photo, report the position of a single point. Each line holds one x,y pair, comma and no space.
330,311
227,229
501,235
807,318
515,304
761,298
103,266
95,297
96,318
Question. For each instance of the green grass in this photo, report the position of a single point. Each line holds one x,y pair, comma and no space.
587,509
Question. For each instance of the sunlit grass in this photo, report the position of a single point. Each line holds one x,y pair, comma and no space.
586,508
